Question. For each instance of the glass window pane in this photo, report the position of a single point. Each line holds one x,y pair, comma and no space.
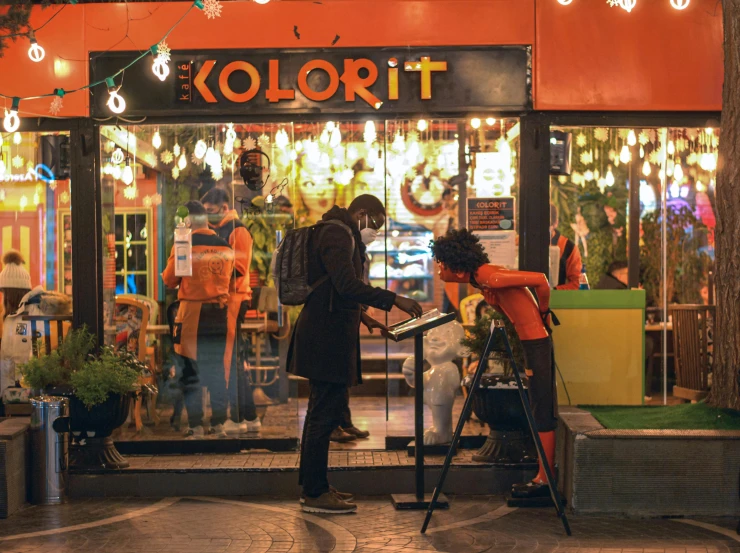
120,261
137,257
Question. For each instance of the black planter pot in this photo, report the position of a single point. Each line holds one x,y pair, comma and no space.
92,447
497,403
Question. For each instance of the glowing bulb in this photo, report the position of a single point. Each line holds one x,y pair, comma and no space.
262,2
36,198
564,2
116,173
269,199
35,52
646,169
642,152
182,162
282,139
116,103
24,202
700,186
680,4
200,149
624,155
631,138
17,138
421,126
336,138
675,190
228,147
609,177
176,150
11,122
369,135
160,68
685,191
210,152
678,173
330,126
491,121
627,5
475,123
709,130
324,138
117,156
157,141
128,174
671,148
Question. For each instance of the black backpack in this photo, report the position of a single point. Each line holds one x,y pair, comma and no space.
289,265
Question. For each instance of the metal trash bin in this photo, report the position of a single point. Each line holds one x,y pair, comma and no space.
49,451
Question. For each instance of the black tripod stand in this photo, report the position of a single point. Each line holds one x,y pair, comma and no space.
497,326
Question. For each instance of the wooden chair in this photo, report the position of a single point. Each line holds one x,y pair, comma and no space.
692,326
468,307
131,318
55,329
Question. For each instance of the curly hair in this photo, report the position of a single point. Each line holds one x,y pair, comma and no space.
460,251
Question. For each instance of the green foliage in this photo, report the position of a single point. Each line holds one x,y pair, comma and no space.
476,338
110,373
263,227
93,377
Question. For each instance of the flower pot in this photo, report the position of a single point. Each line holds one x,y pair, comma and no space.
497,403
92,428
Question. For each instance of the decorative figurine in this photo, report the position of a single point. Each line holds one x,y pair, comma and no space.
442,380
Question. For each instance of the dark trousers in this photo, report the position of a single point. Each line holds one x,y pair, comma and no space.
208,370
345,420
240,388
543,393
326,402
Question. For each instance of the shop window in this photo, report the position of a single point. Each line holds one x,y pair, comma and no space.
132,253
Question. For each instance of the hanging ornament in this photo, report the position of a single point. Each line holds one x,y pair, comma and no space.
17,162
64,197
36,198
117,156
230,132
52,185
631,138
175,173
609,179
680,4
200,149
182,162
166,157
11,122
671,148
160,68
421,125
625,156
157,140
23,202
17,138
228,147
176,150
281,139
587,158
249,143
646,169
627,5
642,152
588,176
576,178
212,8
399,143
581,140
130,192
369,135
643,138
654,157
128,174
147,201
164,52
56,104
601,134
156,199
678,173
612,155
116,103
692,158
263,141
336,138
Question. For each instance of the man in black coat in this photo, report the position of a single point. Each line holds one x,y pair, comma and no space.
325,346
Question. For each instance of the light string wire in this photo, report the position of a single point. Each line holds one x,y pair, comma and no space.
196,4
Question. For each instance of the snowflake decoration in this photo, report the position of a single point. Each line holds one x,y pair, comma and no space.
237,143
413,136
194,159
682,145
263,141
175,173
17,162
156,199
64,197
130,192
248,143
147,201
643,138
212,8
576,178
53,185
612,3
167,157
581,140
587,158
652,135
601,134
163,51
30,166
654,157
56,105
623,133
692,158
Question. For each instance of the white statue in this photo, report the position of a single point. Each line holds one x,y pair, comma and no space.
442,380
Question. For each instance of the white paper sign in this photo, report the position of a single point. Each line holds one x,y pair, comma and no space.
500,247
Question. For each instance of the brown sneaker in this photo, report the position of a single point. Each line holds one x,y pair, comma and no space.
340,436
356,432
328,503
344,496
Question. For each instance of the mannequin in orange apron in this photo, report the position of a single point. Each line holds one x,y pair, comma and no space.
462,259
200,327
225,222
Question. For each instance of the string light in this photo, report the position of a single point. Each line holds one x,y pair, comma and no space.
159,66
646,168
491,121
680,4
117,156
116,103
421,126
625,156
609,177
475,123
128,174
17,138
262,2
200,149
11,122
35,52
627,5
632,138
671,148
565,2
157,141
678,173
182,162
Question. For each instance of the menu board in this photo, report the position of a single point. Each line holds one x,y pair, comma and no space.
491,214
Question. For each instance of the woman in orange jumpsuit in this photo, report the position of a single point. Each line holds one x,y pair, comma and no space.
461,259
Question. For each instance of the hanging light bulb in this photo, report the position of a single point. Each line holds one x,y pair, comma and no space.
609,176
631,138
700,186
262,2
128,174
17,139
421,126
671,148
646,168
680,4
200,149
228,147
281,139
678,173
336,137
117,156
624,155
709,130
369,135
116,103
627,5
324,138
475,123
565,2
330,126
182,162
642,152
160,68
11,122
490,121
157,141
176,149
35,52
209,155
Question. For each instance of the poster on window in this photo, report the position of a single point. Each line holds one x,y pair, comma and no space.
500,247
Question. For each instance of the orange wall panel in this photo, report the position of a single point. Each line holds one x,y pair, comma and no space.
589,56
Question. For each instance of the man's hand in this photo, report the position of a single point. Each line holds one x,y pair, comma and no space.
409,306
371,323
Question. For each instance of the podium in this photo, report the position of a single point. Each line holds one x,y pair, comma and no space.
415,328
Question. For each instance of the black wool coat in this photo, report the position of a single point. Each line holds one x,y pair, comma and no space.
325,344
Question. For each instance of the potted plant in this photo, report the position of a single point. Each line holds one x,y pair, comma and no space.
497,402
100,386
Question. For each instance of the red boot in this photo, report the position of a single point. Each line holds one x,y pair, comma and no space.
538,486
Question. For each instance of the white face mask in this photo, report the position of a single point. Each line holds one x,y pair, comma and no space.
368,234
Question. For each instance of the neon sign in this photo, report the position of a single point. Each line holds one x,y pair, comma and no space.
40,173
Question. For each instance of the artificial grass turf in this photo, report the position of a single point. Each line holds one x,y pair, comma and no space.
687,416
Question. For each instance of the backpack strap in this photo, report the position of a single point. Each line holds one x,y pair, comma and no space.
324,278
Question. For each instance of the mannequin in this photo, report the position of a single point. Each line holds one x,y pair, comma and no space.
461,259
441,382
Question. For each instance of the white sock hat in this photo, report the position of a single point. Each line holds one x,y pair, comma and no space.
14,274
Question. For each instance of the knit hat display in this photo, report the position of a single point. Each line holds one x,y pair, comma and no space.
14,274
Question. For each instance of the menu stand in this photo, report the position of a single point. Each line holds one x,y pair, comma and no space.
402,331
